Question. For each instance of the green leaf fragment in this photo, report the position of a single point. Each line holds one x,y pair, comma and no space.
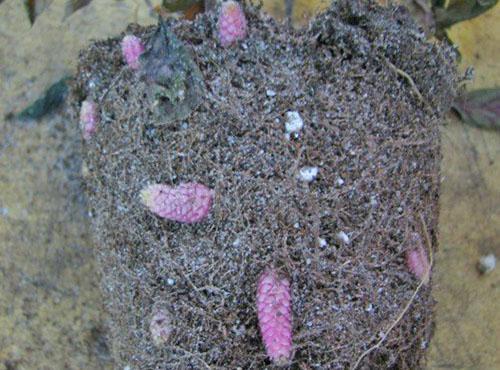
480,108
49,102
461,10
438,3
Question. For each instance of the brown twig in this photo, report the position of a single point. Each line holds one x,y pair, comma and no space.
408,78
428,242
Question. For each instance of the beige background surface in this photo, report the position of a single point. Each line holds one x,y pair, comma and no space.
50,305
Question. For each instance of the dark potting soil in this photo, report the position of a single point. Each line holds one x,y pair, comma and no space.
371,91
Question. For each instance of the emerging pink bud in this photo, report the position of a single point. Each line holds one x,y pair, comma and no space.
232,23
416,258
132,48
187,203
274,312
88,118
160,328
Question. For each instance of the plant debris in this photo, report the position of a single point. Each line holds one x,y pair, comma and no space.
480,108
178,83
51,100
460,10
364,124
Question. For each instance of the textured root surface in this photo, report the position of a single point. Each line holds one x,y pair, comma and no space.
355,76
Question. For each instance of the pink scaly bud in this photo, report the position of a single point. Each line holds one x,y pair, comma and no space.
132,48
88,118
187,203
417,260
160,328
232,23
274,312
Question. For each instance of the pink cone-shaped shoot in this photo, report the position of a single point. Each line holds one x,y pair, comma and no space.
416,258
187,203
132,48
275,316
160,328
232,23
88,118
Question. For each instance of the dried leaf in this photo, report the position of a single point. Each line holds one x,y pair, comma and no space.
178,5
461,10
169,66
480,108
187,9
30,8
194,10
35,8
422,12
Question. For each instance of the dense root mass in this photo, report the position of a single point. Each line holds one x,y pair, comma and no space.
370,91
